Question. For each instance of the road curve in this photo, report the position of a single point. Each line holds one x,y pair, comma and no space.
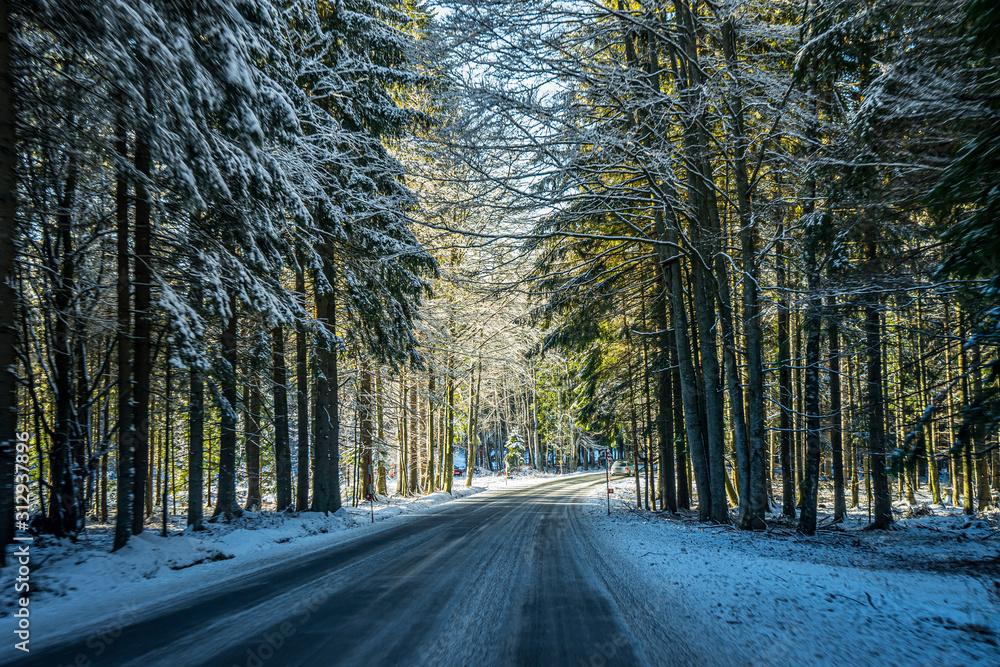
505,578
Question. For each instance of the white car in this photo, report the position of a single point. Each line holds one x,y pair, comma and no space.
620,468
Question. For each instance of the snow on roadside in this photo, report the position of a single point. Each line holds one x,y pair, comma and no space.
906,597
82,586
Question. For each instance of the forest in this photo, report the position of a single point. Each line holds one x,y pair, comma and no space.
289,255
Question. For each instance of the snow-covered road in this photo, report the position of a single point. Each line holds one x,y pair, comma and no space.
540,575
506,577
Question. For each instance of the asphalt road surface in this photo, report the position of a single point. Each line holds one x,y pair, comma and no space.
505,578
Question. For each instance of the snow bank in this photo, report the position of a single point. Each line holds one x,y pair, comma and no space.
925,594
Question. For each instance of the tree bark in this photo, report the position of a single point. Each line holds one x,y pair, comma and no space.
965,441
279,395
226,502
252,444
413,458
678,437
473,438
196,450
381,486
326,472
855,456
689,390
784,383
665,381
366,426
167,442
403,431
837,418
430,431
983,497
810,477
302,401
701,198
63,508
449,431
927,428
882,518
142,333
126,425
754,391
105,426
954,468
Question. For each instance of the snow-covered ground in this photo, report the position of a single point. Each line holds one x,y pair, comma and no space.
927,593
77,585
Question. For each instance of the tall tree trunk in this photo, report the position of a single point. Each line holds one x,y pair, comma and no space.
196,450
754,392
155,469
326,470
413,458
905,477
983,497
955,464
633,419
403,431
677,434
741,446
252,442
927,429
651,428
430,431
105,426
799,454
813,331
855,457
226,503
208,463
714,411
439,442
882,518
302,401
126,422
63,507
701,197
279,394
381,486
965,440
151,471
665,381
142,336
365,423
837,418
810,476
83,453
689,389
784,383
473,438
167,442
539,456
449,430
